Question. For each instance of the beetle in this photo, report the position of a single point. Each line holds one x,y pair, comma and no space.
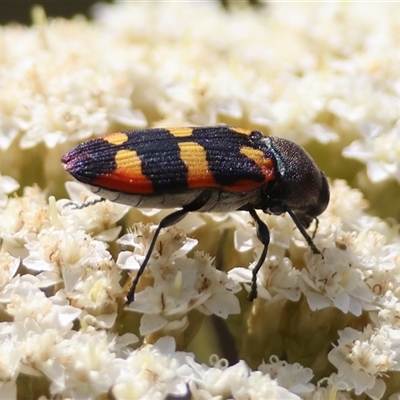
213,168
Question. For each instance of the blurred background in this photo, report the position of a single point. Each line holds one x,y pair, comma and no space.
19,11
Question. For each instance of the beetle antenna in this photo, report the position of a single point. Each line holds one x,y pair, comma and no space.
285,208
316,228
79,206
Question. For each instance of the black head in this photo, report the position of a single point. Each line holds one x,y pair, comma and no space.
299,185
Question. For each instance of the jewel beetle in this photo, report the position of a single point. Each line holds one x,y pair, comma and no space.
212,168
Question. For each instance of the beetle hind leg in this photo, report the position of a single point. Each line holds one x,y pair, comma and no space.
169,220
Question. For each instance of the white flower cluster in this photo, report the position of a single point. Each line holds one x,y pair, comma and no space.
180,284
73,279
358,274
322,74
82,284
274,69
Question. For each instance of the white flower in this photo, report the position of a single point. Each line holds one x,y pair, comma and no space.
189,225
38,349
33,311
379,260
319,74
22,219
67,255
237,381
207,382
280,227
389,314
71,108
335,281
81,367
11,113
346,208
362,358
260,387
98,219
293,377
330,387
151,372
39,325
8,267
9,368
379,150
277,278
180,284
97,295
7,186
171,241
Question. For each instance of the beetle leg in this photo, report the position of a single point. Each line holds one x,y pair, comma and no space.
170,219
263,237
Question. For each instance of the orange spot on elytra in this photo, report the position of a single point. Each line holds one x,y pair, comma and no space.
265,163
116,138
180,132
242,131
127,177
194,157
